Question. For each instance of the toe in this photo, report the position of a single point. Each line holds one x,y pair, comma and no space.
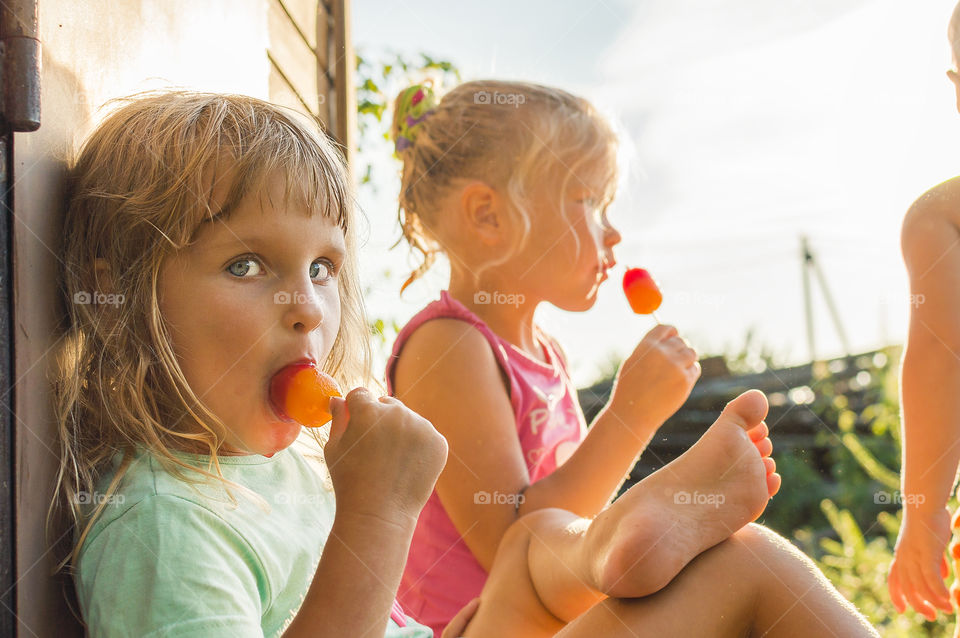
770,464
747,410
773,484
759,432
765,446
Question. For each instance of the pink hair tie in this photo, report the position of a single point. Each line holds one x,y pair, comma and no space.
416,104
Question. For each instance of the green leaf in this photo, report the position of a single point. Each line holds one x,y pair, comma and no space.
869,462
847,420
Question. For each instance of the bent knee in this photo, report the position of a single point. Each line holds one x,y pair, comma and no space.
516,539
763,538
753,533
548,518
761,547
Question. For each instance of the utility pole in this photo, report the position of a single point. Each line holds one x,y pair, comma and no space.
811,264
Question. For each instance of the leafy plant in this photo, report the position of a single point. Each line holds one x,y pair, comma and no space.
857,565
379,79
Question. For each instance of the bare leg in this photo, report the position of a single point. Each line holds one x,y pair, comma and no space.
649,550
642,541
720,484
755,583
509,603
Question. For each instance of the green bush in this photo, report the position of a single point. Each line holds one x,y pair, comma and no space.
857,565
850,452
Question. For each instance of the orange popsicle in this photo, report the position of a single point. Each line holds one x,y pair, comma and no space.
302,392
641,291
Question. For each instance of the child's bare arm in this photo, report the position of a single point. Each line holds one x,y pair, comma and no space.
447,373
384,464
930,400
930,383
357,579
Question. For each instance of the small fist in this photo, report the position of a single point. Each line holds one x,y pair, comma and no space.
383,458
656,379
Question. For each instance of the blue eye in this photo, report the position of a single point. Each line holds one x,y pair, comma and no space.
245,268
322,269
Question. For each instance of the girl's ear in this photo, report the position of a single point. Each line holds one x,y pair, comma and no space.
482,210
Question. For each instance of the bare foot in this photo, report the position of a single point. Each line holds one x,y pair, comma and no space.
720,484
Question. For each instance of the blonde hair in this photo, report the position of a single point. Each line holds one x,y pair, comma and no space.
139,189
512,135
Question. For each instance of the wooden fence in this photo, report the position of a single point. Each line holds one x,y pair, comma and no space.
793,424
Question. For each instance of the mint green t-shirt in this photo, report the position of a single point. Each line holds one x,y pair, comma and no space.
163,560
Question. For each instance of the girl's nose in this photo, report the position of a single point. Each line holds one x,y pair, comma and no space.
303,308
612,236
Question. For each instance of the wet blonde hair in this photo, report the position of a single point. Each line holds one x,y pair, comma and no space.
511,135
139,189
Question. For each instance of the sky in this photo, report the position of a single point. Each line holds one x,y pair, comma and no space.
745,125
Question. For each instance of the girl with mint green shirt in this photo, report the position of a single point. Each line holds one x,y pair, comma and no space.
209,243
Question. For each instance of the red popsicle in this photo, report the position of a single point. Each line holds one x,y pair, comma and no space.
641,291
302,392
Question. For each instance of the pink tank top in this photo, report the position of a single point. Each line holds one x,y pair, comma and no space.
441,574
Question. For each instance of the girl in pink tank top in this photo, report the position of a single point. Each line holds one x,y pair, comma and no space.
511,182
549,426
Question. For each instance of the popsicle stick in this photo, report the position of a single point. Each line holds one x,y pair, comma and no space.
655,317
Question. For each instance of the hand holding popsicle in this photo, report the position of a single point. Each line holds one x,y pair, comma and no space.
657,377
383,459
383,434
655,380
